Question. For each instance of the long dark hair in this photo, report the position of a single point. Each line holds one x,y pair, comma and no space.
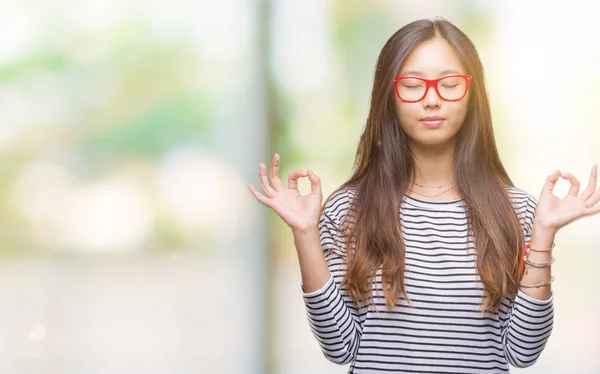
384,165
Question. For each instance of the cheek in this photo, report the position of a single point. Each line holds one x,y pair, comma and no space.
459,112
407,113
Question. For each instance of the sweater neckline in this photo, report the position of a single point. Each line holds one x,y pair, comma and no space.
433,204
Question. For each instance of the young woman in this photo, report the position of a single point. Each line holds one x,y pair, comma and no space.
428,259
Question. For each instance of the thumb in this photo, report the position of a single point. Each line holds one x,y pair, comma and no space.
315,182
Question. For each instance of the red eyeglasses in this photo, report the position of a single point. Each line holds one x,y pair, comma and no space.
449,88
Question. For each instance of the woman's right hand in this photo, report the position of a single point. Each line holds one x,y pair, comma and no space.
300,213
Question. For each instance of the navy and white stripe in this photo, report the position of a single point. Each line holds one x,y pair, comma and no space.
442,331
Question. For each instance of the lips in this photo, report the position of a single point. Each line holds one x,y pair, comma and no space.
432,121
432,118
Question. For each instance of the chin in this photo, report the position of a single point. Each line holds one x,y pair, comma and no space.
433,140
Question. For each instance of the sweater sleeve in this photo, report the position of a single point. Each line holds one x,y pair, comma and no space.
332,315
530,321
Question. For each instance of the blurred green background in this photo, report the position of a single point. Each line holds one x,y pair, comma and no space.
128,133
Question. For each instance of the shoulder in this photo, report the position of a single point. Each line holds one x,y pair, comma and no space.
339,203
332,224
524,203
521,199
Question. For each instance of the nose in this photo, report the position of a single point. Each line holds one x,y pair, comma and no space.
431,98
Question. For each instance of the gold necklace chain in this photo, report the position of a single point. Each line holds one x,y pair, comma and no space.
420,185
411,190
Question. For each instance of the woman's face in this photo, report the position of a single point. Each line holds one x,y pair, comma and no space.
431,59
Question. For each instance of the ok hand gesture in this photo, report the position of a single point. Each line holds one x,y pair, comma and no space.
301,213
552,213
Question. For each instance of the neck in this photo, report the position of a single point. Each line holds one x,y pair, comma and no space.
433,164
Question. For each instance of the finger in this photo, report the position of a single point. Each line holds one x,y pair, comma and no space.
277,185
575,184
593,200
551,181
265,182
315,183
261,199
592,211
293,178
591,184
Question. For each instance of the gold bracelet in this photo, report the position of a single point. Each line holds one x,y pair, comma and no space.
539,284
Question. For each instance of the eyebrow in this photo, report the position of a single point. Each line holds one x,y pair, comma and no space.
414,72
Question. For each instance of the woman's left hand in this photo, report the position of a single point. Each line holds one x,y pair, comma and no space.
553,213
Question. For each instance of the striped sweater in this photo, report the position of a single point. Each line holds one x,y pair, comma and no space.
443,332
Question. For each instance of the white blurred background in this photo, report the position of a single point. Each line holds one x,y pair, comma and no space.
128,133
